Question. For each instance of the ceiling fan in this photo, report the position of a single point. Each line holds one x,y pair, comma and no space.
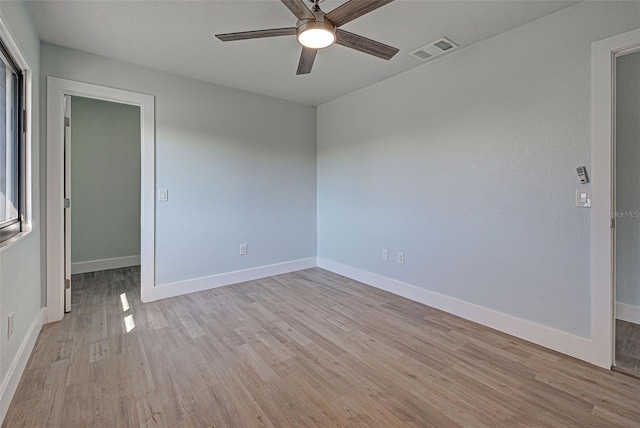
316,30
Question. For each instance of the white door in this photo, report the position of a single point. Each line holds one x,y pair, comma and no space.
67,203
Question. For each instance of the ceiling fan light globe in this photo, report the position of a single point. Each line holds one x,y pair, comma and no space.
316,38
316,35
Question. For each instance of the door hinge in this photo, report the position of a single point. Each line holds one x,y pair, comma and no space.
67,284
613,223
67,203
24,121
67,121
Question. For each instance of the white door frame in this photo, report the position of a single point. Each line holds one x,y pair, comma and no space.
56,90
603,61
67,209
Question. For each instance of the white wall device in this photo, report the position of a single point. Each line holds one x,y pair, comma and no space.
582,174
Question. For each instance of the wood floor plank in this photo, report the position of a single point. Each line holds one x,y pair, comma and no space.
154,316
77,405
308,348
628,347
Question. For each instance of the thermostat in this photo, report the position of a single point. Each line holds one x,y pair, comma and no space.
582,174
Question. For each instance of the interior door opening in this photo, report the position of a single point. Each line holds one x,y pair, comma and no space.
57,88
627,213
102,192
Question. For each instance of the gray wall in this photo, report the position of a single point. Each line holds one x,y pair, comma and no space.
240,168
20,280
105,180
628,179
467,164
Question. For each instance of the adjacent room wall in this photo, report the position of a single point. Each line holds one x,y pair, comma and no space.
20,280
105,185
628,186
239,168
467,165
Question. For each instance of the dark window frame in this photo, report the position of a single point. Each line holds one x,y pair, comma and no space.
12,227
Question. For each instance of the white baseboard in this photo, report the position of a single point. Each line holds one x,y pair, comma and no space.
629,313
104,264
548,337
199,284
11,380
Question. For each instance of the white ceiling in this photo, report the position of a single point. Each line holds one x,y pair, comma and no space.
178,36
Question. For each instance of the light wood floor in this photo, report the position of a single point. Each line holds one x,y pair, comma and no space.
628,347
303,349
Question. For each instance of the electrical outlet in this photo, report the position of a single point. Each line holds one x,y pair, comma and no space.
243,249
385,255
400,257
10,326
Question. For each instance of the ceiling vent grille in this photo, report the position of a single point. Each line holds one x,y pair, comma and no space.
434,49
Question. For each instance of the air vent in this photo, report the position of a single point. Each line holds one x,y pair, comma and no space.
434,49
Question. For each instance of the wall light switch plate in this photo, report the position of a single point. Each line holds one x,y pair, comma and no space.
583,198
163,195
385,255
243,249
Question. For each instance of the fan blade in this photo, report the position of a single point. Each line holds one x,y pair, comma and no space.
258,34
307,58
353,9
365,45
299,9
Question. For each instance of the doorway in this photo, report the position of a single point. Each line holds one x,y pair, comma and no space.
57,89
102,189
627,213
604,218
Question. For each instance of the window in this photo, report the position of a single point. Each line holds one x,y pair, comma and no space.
12,147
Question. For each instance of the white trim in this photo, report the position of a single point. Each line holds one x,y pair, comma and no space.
9,42
4,245
199,284
548,337
104,264
628,313
603,54
56,90
19,363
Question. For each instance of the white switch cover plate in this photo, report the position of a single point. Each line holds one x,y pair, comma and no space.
583,198
243,249
385,255
163,195
400,257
